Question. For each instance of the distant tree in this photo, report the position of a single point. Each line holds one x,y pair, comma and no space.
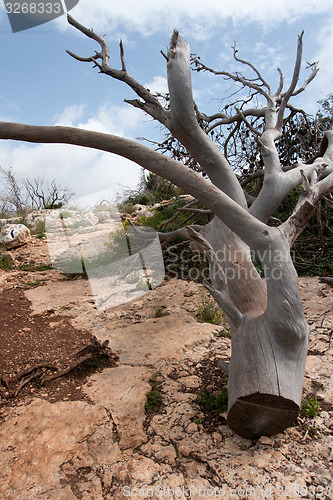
36,193
12,197
269,330
47,195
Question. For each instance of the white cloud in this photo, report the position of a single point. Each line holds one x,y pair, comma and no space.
159,85
70,115
324,79
151,16
84,170
110,119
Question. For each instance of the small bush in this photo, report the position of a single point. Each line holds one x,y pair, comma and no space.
154,400
199,420
126,208
153,397
310,407
6,261
209,312
225,332
145,199
213,401
64,214
160,312
39,229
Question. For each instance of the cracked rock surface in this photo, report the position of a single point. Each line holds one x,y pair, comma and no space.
104,444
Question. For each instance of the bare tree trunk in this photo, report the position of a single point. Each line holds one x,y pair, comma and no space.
269,343
268,360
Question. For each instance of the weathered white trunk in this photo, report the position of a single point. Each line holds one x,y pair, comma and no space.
265,377
269,349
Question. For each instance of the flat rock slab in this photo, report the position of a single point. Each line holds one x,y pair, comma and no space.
158,340
40,451
58,294
122,391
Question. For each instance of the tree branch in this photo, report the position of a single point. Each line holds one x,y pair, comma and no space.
247,63
184,124
220,290
199,66
253,232
152,105
313,190
286,96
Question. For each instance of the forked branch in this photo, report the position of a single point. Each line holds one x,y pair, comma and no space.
219,290
149,103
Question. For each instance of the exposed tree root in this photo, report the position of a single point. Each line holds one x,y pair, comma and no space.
45,372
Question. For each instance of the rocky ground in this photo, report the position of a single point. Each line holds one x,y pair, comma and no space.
91,434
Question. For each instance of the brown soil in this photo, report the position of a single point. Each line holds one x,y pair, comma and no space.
28,340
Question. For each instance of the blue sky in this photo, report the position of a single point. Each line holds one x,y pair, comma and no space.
41,84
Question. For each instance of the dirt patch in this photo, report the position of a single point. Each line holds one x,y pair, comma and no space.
28,340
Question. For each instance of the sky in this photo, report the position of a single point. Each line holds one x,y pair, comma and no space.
42,85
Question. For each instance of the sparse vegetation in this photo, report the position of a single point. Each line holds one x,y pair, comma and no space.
126,208
6,261
209,312
153,397
199,420
160,312
34,268
309,410
216,401
18,197
64,214
152,189
310,407
225,332
33,284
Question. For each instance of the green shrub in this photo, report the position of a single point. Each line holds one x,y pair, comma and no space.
310,407
153,397
64,214
225,332
160,312
39,229
126,208
145,199
209,312
154,400
213,401
6,261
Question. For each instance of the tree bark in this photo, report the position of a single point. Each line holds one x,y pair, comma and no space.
269,353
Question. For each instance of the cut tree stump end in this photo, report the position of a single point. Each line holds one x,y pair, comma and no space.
261,415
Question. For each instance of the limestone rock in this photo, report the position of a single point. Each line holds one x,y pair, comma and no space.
37,442
102,216
14,235
123,391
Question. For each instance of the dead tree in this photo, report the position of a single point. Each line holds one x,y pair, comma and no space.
269,330
48,196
